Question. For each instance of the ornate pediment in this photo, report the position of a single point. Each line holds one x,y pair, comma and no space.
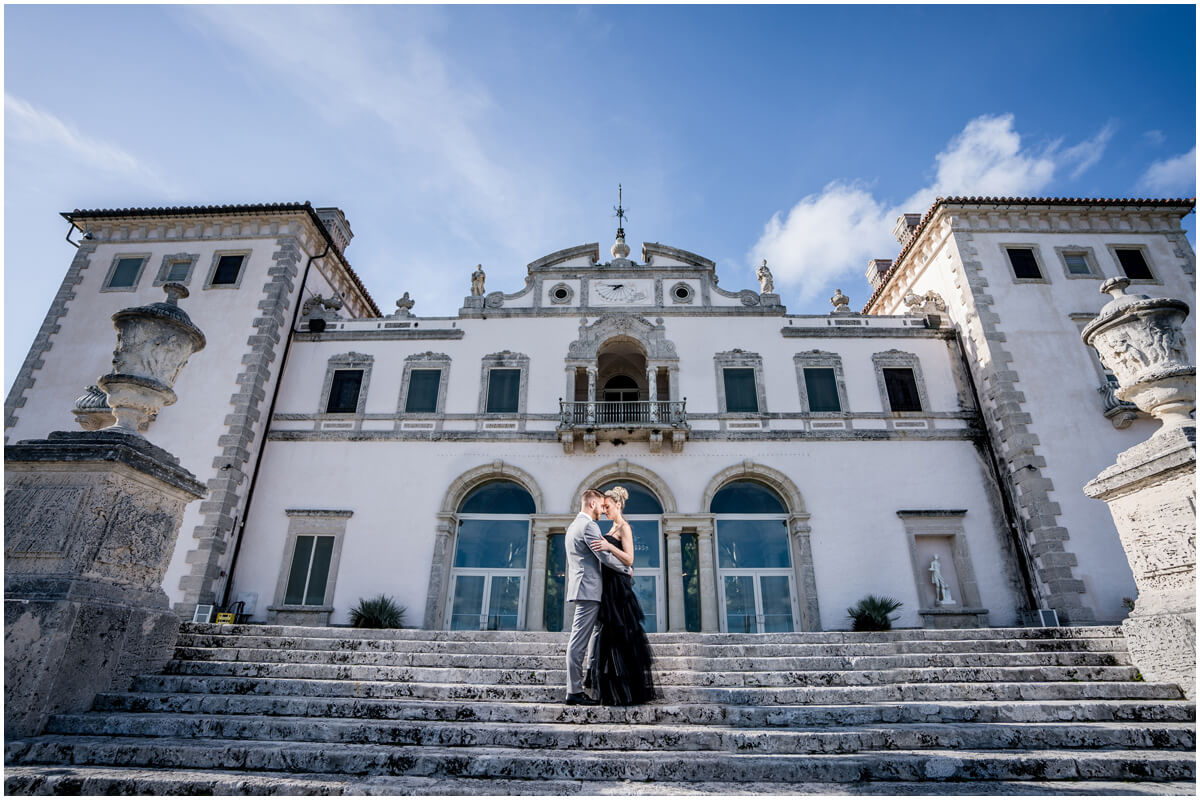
651,336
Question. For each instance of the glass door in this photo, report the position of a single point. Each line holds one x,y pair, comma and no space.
756,576
488,578
486,601
647,567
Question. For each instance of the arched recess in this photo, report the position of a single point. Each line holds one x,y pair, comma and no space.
443,548
799,530
623,469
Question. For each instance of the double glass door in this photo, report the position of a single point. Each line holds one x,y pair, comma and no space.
487,590
757,602
757,594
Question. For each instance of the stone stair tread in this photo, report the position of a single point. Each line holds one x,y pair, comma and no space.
110,780
116,780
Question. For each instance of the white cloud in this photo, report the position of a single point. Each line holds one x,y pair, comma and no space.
833,234
35,128
1172,176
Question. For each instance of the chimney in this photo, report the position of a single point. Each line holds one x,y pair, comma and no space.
905,225
337,225
876,269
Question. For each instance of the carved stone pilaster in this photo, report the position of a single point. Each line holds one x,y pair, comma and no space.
709,621
676,615
806,575
535,605
438,575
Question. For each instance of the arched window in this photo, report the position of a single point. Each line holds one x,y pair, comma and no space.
643,511
491,552
754,559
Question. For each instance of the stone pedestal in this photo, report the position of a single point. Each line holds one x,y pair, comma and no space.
1152,496
91,521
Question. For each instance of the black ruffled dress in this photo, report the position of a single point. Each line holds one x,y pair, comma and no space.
621,672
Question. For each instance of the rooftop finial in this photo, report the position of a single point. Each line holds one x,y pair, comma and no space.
619,248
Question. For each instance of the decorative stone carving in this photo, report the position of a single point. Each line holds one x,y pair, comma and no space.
944,598
404,306
749,298
652,337
929,303
766,281
1120,412
1141,340
92,412
318,305
494,300
841,303
477,279
1151,490
154,343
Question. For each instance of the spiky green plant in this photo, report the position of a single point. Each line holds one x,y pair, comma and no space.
873,613
378,612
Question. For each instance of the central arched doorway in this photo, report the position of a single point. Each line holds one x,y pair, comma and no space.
643,511
756,581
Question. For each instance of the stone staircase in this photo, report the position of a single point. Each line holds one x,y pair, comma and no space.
256,709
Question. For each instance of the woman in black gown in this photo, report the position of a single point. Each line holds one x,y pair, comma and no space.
621,672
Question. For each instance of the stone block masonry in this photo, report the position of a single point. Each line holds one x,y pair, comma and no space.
91,520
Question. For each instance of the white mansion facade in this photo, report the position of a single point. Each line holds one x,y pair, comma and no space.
781,466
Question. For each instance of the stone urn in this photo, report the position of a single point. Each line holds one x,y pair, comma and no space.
154,343
1141,340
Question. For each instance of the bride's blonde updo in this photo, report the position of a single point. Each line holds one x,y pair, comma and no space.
618,494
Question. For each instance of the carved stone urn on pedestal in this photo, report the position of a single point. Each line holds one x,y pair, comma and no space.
1141,340
154,343
1150,491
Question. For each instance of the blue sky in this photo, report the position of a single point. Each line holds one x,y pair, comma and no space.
458,135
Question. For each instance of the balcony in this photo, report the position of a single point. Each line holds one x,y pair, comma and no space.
621,421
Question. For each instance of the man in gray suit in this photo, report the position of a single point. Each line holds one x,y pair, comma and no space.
584,586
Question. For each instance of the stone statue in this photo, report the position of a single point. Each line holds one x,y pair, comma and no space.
404,306
477,278
929,303
841,303
766,281
940,586
317,305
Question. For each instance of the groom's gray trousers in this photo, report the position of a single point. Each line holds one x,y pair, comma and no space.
583,633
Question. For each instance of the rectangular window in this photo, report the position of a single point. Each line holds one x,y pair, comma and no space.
227,271
821,384
343,393
1134,265
901,388
1023,263
125,273
740,393
310,571
177,271
1077,263
504,391
423,387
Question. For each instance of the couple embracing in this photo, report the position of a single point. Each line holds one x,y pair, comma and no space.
608,616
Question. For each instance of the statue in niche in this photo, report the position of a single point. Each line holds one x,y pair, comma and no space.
477,278
766,281
941,588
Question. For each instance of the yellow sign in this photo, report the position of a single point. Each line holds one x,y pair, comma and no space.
225,618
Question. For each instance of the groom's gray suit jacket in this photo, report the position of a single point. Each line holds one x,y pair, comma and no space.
583,563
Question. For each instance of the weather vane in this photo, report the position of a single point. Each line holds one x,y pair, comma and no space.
620,213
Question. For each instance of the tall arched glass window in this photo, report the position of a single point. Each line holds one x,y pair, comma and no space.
491,552
753,559
643,511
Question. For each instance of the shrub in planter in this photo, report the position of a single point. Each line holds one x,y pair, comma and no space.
873,613
378,612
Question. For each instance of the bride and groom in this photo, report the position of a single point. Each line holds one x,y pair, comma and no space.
608,618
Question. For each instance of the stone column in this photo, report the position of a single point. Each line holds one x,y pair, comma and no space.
535,603
652,391
1151,490
91,521
806,576
435,598
709,621
676,616
591,407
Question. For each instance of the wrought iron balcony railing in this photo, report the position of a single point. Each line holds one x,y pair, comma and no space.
626,413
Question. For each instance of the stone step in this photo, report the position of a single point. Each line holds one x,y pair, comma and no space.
558,677
656,713
805,637
558,646
128,781
692,663
613,765
627,736
895,692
